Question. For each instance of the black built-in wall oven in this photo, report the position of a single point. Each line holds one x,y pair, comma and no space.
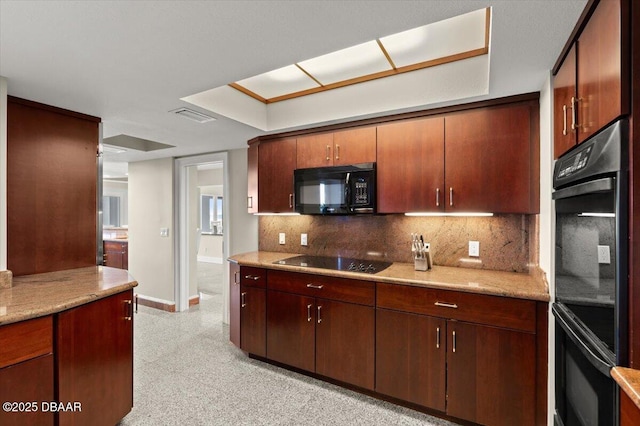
590,308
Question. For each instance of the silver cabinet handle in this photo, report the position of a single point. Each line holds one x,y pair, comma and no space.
574,114
252,277
243,300
454,341
438,338
564,120
290,201
451,196
446,305
319,315
235,277
337,152
311,285
328,153
249,202
129,314
309,312
437,197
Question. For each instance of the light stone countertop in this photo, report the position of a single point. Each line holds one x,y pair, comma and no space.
629,381
37,295
497,283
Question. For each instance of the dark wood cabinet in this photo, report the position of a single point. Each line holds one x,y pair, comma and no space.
270,176
51,188
252,310
116,254
95,360
590,89
351,146
410,156
410,357
491,160
491,374
629,411
26,372
331,337
234,303
453,362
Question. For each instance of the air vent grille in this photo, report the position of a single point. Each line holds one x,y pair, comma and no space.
193,115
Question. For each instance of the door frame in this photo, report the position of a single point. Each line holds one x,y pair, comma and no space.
182,239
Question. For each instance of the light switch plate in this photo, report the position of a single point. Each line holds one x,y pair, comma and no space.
281,238
303,239
474,248
604,255
164,232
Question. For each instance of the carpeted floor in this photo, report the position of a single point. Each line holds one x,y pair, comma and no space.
186,372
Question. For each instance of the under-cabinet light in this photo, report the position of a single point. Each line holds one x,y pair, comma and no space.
456,214
276,214
597,215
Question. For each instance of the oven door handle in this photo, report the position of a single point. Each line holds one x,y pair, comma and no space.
594,186
587,349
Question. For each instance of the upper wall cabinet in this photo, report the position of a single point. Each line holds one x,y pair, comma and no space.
350,146
411,166
479,160
588,87
270,177
492,159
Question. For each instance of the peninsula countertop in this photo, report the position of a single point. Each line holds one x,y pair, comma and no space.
629,381
532,286
37,295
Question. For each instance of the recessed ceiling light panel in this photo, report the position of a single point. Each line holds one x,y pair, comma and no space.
279,82
347,64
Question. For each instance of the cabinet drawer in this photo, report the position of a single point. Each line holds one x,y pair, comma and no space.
253,277
115,246
342,289
517,314
25,340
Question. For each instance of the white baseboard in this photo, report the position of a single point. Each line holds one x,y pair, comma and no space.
207,259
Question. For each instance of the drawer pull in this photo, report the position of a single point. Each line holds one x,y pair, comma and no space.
309,312
252,277
311,285
446,305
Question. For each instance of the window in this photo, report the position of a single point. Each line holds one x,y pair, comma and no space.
110,211
211,214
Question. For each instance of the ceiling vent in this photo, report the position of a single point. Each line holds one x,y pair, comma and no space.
193,115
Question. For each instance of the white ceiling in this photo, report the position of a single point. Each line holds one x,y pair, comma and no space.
130,62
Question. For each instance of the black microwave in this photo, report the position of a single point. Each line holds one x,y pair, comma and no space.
336,190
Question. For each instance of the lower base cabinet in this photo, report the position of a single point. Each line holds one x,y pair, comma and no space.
95,360
629,411
253,315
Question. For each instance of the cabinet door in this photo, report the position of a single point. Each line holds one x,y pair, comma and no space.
291,329
354,146
599,69
489,160
113,254
490,374
315,151
410,162
253,320
345,342
234,303
276,163
410,358
27,382
95,360
564,90
252,179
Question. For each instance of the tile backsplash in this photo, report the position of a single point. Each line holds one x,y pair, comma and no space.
507,242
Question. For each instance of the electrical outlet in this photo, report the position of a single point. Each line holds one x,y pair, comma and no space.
281,238
303,239
474,248
604,255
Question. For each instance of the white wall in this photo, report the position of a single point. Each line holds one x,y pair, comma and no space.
3,173
151,202
194,226
547,223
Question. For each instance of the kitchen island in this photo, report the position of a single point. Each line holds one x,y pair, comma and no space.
464,344
67,347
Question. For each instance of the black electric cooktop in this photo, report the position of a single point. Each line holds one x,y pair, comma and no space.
336,263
